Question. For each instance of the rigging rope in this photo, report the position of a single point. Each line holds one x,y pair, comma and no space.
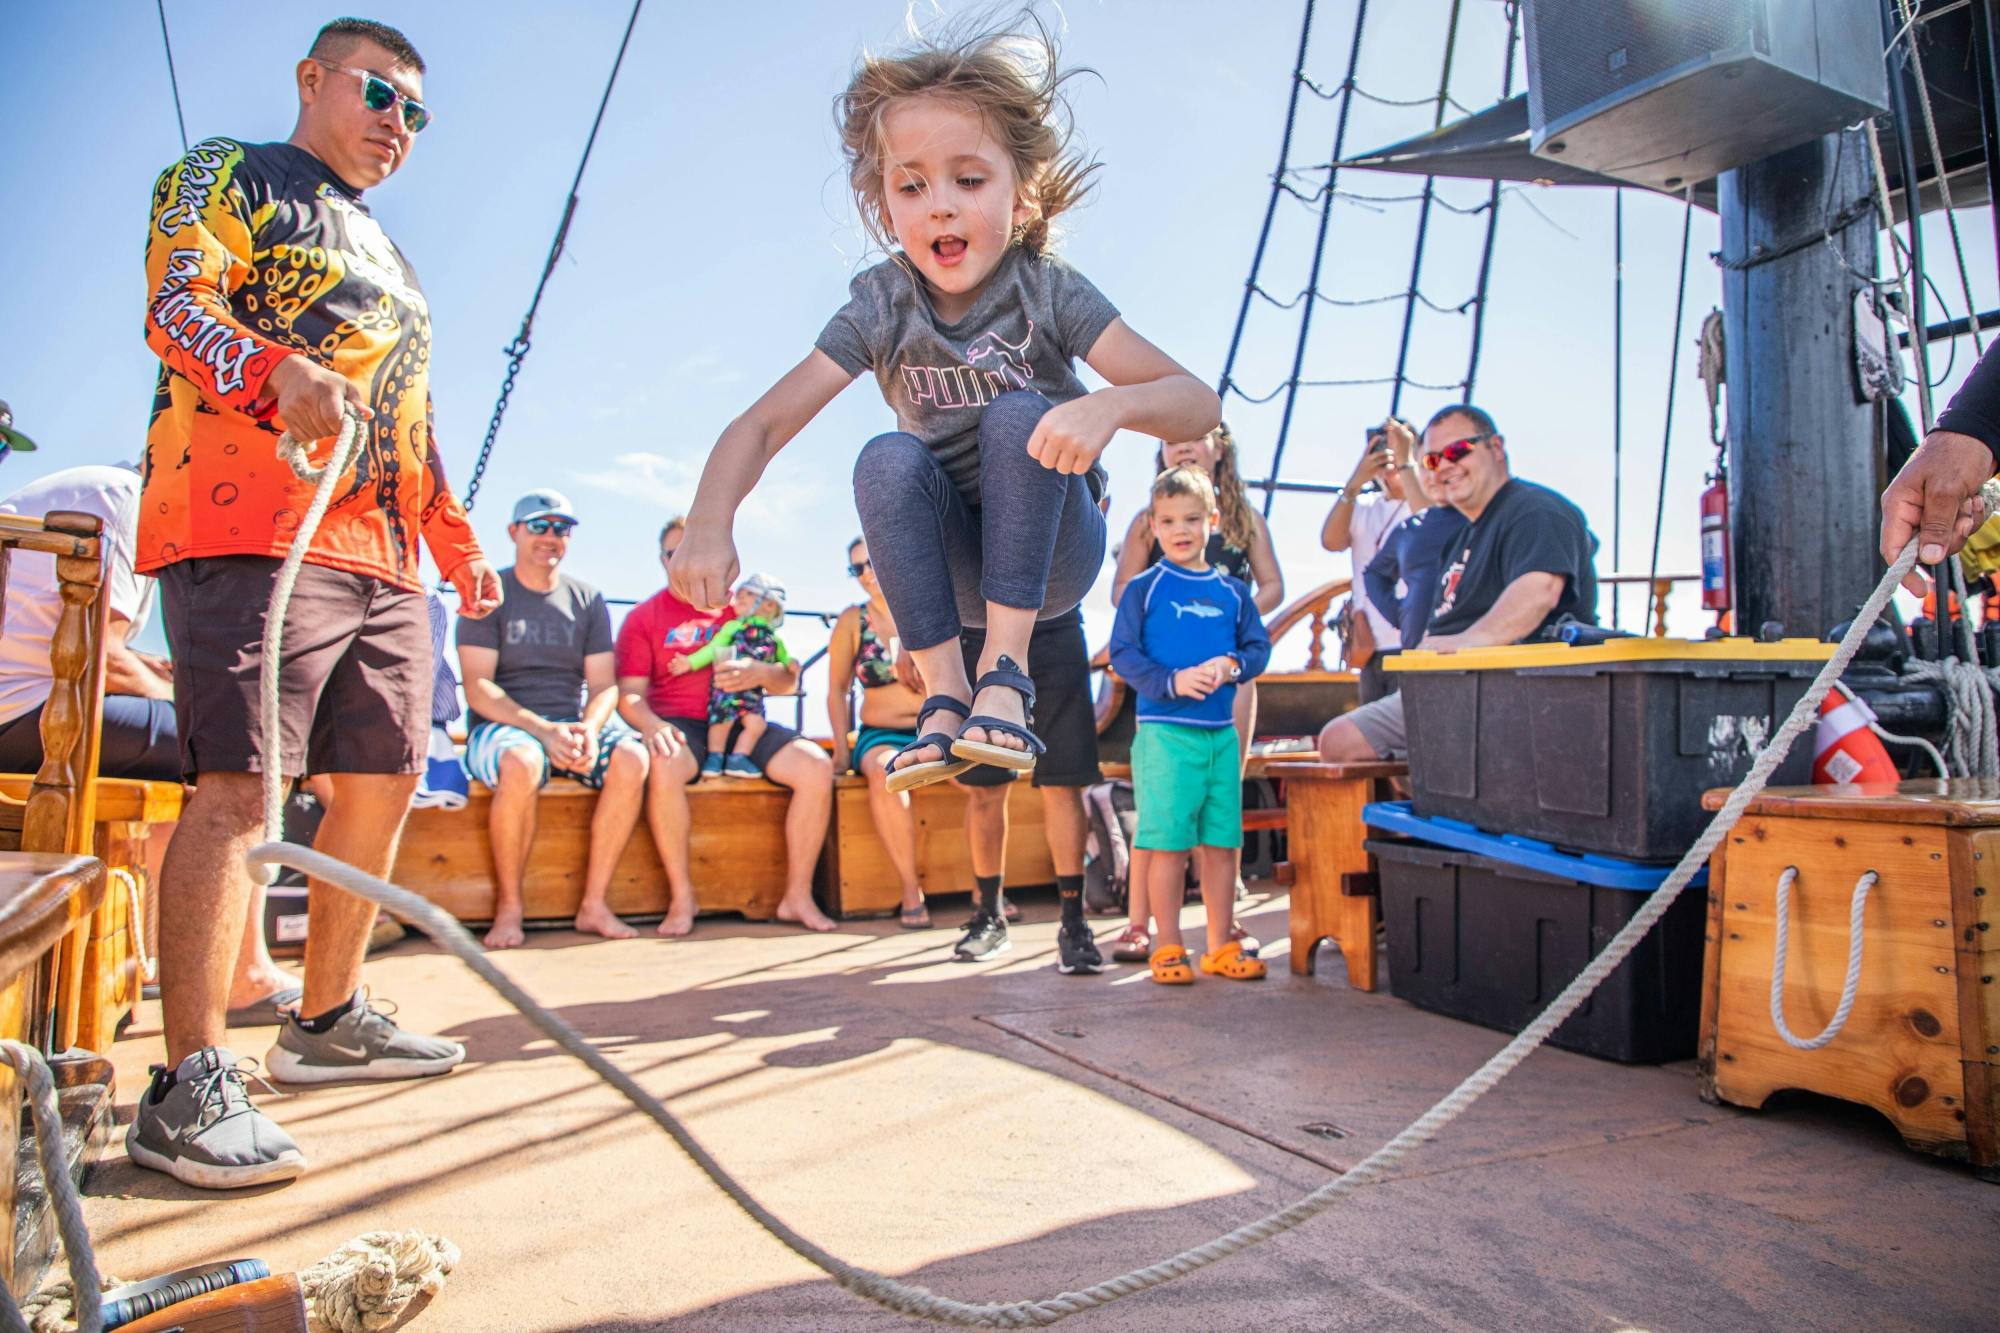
1667,432
172,78
1271,207
1319,255
1915,60
517,351
1424,215
1617,398
1478,302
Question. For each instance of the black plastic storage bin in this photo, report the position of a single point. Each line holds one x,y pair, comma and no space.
1481,938
1606,748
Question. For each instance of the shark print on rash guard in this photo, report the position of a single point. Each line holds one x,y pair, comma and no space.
257,252
1169,618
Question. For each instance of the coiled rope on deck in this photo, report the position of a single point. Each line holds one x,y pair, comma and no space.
910,1299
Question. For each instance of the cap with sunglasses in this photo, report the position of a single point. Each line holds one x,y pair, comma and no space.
11,438
543,504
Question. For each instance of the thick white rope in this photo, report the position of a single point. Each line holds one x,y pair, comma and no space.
906,1298
1848,988
149,966
293,453
1972,732
33,1069
368,1283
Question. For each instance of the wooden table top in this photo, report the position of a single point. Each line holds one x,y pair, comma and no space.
42,895
118,799
1313,768
1958,802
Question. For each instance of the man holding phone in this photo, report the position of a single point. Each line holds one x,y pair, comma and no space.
1360,523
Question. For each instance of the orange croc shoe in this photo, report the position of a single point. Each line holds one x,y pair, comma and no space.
1170,966
1230,961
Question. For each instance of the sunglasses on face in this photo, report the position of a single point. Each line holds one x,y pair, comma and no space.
378,94
856,568
1455,452
548,527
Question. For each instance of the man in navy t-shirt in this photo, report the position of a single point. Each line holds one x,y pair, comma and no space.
1523,563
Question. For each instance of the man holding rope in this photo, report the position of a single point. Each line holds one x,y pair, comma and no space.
1936,495
278,304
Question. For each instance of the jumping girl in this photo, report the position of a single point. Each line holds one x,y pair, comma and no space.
1240,547
982,508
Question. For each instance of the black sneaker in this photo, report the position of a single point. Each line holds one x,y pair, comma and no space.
985,937
1076,950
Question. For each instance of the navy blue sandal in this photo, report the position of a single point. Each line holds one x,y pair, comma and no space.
1006,672
932,770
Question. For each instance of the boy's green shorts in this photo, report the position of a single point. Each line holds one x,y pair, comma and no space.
1188,782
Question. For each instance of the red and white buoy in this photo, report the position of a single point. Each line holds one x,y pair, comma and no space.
1844,749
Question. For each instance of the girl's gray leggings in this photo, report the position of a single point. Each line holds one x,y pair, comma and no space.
1036,542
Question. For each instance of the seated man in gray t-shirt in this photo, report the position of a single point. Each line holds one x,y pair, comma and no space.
542,683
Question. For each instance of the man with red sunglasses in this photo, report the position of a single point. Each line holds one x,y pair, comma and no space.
276,303
1524,562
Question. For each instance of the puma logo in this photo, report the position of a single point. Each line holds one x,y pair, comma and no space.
1199,610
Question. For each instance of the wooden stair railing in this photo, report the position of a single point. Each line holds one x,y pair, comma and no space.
51,886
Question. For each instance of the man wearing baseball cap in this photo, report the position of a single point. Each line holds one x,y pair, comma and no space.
539,677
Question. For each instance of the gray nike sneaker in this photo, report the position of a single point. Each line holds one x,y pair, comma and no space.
204,1132
362,1044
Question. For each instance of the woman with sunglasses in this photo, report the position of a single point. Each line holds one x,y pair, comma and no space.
865,647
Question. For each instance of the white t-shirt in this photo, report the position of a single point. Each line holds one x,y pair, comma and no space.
33,601
1375,516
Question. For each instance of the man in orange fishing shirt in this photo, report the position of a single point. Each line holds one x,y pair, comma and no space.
277,304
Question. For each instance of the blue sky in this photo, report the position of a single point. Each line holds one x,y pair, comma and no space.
715,237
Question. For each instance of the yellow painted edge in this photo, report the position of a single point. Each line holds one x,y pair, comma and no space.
1526,655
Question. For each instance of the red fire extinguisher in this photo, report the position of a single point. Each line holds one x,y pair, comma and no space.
1715,589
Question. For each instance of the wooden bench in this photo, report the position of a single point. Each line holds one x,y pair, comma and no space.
1333,881
126,813
736,854
859,881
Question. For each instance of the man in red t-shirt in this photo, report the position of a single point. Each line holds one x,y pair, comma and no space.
671,713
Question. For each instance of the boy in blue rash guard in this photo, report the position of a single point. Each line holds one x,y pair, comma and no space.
1186,635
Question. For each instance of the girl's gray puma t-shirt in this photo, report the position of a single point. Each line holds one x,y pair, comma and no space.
1034,318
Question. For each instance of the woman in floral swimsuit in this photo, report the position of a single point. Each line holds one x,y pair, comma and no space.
864,646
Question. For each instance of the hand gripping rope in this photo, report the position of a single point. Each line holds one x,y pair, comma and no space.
907,1298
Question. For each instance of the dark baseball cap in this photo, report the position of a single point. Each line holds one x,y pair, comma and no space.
12,438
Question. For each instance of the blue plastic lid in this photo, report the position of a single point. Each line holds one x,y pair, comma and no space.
1607,872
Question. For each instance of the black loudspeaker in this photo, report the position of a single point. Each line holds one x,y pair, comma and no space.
1664,93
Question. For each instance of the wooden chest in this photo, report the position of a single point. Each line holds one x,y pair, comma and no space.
1922,1042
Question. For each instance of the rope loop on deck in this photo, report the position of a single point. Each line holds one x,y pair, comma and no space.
1781,947
907,1298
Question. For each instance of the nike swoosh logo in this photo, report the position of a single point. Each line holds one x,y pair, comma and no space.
351,1052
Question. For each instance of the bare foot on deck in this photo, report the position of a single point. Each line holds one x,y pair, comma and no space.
506,932
601,920
805,914
678,922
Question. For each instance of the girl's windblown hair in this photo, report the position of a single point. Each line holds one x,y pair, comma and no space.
1010,75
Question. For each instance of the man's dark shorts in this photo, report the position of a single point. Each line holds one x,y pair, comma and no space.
1065,714
694,732
355,687
139,741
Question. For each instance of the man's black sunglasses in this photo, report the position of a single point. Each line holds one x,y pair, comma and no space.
856,568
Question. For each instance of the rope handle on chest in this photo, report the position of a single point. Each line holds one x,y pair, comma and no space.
1779,950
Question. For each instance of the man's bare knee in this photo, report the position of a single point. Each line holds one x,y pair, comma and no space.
521,768
628,765
1341,742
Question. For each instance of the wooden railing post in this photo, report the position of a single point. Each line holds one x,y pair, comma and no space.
1661,587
